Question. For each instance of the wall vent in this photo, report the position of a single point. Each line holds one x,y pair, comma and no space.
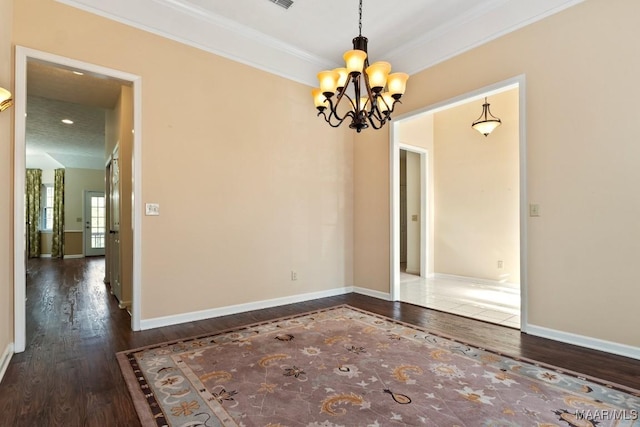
283,3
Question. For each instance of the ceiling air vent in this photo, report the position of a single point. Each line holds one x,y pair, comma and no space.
283,3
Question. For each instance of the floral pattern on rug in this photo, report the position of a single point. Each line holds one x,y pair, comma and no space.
346,367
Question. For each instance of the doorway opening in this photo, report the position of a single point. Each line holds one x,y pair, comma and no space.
43,69
471,217
94,223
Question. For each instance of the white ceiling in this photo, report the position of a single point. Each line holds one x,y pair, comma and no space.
312,35
55,93
294,43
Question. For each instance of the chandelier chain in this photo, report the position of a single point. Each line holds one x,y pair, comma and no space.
360,20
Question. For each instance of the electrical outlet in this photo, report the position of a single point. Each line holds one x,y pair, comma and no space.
294,275
500,264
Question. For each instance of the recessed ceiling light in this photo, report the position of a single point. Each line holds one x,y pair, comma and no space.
67,121
78,73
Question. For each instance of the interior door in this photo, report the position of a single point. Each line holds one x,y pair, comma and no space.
114,226
95,223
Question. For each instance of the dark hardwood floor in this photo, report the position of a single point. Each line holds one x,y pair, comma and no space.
69,376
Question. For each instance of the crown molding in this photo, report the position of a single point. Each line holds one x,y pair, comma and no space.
472,30
185,23
192,27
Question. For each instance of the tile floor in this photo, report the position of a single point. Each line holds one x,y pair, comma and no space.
490,303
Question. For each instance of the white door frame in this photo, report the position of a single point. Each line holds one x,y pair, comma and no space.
24,54
424,209
394,156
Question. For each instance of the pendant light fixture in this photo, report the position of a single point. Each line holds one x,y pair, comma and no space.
372,95
487,122
5,99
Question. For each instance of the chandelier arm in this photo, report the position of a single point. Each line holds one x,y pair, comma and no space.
333,115
340,120
333,108
386,115
377,116
379,126
328,119
374,112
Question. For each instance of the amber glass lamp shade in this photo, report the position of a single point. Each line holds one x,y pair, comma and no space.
355,60
5,99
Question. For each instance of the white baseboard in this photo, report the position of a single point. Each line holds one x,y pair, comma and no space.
583,341
45,255
488,282
375,294
239,308
73,256
5,359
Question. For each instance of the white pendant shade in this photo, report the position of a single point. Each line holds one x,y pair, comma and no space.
486,127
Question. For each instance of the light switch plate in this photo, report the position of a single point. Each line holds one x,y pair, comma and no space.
152,209
534,209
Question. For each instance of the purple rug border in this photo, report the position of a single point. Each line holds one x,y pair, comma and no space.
146,416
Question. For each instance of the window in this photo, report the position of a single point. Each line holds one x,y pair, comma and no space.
47,207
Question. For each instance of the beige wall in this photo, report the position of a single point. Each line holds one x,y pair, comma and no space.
477,195
371,211
73,243
581,72
6,178
76,182
245,197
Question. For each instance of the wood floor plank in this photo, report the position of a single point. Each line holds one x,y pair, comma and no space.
69,376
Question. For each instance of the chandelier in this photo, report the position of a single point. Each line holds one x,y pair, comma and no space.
5,99
373,94
487,122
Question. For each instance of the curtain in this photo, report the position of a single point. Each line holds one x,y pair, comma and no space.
57,245
33,199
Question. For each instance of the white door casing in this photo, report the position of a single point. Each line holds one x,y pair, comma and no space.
23,55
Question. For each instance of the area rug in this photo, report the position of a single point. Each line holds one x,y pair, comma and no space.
346,367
